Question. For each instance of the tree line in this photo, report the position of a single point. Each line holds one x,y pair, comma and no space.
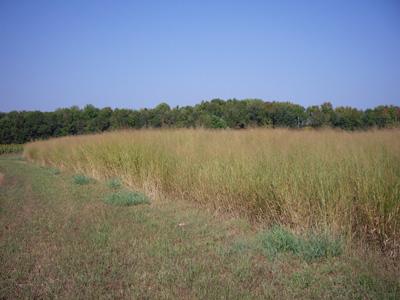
18,127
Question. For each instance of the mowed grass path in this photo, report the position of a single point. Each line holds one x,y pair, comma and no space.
60,239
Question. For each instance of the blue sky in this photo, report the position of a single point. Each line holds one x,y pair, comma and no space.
137,54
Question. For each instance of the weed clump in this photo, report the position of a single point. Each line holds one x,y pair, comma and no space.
126,198
320,246
54,171
81,179
114,183
311,247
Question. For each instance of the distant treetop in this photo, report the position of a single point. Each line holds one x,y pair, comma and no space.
24,126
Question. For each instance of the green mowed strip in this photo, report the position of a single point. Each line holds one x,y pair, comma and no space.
63,239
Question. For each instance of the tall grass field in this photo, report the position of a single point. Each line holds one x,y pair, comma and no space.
345,183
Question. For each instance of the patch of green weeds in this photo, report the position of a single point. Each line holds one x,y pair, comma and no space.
81,179
54,171
126,198
277,240
320,245
114,183
311,247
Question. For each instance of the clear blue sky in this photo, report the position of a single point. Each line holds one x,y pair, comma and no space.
137,54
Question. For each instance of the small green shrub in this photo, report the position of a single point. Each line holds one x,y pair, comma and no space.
279,240
81,179
126,198
321,245
114,183
314,246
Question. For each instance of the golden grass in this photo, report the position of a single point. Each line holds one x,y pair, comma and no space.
344,182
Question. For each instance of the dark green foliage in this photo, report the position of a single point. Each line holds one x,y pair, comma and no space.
24,126
319,116
288,115
81,179
126,198
10,148
314,246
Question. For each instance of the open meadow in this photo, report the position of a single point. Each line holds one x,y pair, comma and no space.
200,150
200,214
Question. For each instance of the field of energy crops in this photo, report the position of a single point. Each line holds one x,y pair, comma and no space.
344,183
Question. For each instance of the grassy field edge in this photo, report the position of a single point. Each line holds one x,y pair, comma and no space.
61,239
